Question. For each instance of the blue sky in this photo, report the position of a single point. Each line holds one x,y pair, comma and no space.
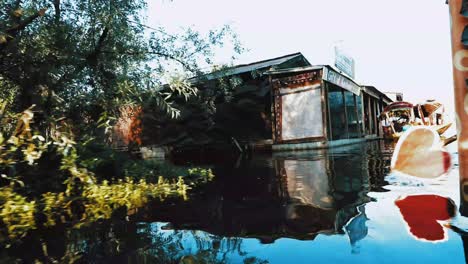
399,45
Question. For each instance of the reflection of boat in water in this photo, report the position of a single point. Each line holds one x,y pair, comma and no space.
398,117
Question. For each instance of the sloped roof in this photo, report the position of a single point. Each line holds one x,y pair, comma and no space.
294,70
309,68
243,68
372,90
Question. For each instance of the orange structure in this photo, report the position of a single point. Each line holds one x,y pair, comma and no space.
459,35
128,129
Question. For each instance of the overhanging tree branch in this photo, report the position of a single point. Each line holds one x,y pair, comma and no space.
92,57
187,66
57,10
24,23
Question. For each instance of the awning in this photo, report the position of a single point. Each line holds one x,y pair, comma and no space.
340,80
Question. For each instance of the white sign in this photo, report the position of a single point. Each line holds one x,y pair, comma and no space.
340,80
344,62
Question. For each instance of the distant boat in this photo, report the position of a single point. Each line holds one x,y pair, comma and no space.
398,117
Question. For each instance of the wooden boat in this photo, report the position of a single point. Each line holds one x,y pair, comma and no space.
398,117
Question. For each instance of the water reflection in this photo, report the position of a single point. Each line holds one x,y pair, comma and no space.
357,229
425,215
324,206
296,195
126,242
338,181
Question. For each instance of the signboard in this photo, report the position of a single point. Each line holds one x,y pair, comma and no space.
344,62
340,80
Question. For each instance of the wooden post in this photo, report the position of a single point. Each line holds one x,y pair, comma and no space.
345,112
358,123
324,101
378,117
370,112
329,121
363,111
272,109
421,115
376,113
459,21
391,123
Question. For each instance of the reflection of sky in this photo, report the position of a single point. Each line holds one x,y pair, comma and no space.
387,241
374,249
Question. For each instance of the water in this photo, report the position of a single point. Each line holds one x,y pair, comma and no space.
324,206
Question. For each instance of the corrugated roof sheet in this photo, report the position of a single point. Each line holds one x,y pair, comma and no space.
251,66
293,70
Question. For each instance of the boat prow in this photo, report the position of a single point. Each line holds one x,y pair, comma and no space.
442,128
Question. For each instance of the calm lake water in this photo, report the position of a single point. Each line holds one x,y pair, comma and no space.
327,206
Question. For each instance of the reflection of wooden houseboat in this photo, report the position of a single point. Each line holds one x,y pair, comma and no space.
295,195
400,116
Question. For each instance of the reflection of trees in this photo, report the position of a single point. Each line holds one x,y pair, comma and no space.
127,242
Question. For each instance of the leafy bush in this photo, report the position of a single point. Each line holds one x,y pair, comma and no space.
81,196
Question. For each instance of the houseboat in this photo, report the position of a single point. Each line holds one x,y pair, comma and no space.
320,107
283,103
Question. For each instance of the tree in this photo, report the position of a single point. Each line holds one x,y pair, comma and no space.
81,60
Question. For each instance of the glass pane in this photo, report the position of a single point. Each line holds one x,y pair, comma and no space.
337,114
360,116
353,122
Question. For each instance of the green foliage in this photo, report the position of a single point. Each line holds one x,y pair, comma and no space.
83,198
81,60
17,213
104,198
102,160
150,170
8,92
77,62
109,164
205,174
27,157
21,145
97,202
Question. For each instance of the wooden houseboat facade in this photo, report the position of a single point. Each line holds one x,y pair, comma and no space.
318,107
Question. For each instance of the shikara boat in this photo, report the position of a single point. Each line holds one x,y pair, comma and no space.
398,117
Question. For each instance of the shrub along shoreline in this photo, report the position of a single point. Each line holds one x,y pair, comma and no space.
47,182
